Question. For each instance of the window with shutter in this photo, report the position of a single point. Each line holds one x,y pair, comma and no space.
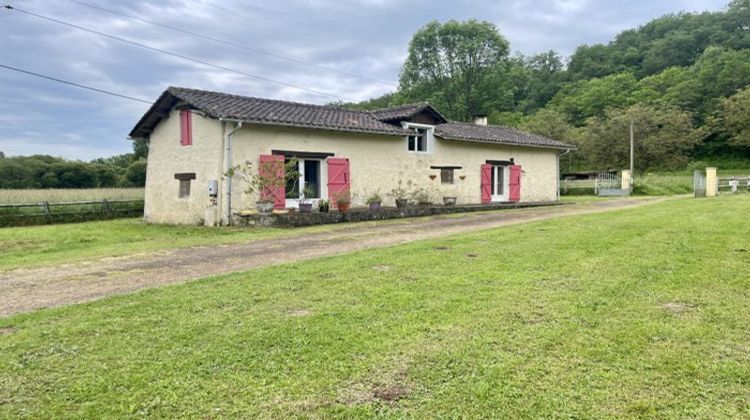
186,127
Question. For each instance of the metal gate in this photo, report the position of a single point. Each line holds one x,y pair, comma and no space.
699,184
608,184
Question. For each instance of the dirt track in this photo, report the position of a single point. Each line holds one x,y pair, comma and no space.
23,290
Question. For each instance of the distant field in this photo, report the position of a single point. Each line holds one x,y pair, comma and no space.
68,195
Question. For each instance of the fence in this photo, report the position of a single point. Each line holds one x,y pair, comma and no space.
733,184
68,212
602,181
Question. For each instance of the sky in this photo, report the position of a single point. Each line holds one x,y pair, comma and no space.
349,50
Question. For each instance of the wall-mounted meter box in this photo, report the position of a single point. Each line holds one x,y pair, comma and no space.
213,188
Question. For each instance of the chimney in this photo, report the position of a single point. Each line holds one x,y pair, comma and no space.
480,120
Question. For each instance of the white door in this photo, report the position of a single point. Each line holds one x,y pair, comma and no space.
499,184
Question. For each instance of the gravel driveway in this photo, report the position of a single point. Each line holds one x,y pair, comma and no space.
24,290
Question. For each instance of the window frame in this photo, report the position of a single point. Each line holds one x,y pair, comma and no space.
428,134
183,189
183,186
451,172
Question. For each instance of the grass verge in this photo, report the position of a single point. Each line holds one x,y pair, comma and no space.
635,313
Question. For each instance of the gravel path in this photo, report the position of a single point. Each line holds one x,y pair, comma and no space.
23,290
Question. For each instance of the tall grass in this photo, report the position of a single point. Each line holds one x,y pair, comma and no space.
662,184
69,195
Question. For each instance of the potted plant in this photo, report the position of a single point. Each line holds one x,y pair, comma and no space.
305,206
449,201
343,200
323,206
400,194
422,196
374,200
270,177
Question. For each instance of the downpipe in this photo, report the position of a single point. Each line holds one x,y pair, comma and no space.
227,168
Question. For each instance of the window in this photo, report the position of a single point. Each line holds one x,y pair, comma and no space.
183,190
446,176
309,177
420,140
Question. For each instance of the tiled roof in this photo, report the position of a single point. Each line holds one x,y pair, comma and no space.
495,134
267,111
292,114
400,112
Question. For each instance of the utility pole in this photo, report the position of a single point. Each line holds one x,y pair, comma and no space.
631,147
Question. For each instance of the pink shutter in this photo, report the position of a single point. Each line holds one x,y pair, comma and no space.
338,178
186,127
272,167
514,183
486,183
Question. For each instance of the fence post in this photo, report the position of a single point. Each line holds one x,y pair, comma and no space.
47,212
712,183
106,208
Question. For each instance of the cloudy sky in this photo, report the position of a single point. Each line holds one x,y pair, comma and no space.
366,38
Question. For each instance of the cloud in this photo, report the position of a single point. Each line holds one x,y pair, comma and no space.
363,37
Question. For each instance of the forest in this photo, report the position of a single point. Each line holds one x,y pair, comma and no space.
43,171
682,80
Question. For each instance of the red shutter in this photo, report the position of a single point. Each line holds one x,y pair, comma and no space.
186,127
272,166
338,178
486,183
514,183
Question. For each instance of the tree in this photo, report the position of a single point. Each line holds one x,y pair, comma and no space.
140,148
135,175
447,62
545,77
591,98
734,119
550,124
664,137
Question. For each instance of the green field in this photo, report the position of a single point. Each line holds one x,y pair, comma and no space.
633,313
69,195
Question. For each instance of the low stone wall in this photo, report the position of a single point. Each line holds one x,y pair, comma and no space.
363,214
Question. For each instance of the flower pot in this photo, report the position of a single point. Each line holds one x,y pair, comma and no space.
264,207
344,207
375,206
402,202
305,207
449,201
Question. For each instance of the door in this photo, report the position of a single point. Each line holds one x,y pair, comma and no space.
499,184
339,183
310,184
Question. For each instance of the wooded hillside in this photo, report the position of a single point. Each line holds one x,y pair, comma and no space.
683,79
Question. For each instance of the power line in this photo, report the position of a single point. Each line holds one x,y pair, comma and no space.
229,43
78,85
177,55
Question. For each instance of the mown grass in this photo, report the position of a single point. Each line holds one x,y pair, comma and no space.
634,313
35,246
51,244
68,195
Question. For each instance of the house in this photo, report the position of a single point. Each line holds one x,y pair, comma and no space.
196,135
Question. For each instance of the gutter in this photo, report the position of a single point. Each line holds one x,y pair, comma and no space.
227,167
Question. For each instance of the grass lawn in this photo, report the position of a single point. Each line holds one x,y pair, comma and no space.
634,313
33,246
